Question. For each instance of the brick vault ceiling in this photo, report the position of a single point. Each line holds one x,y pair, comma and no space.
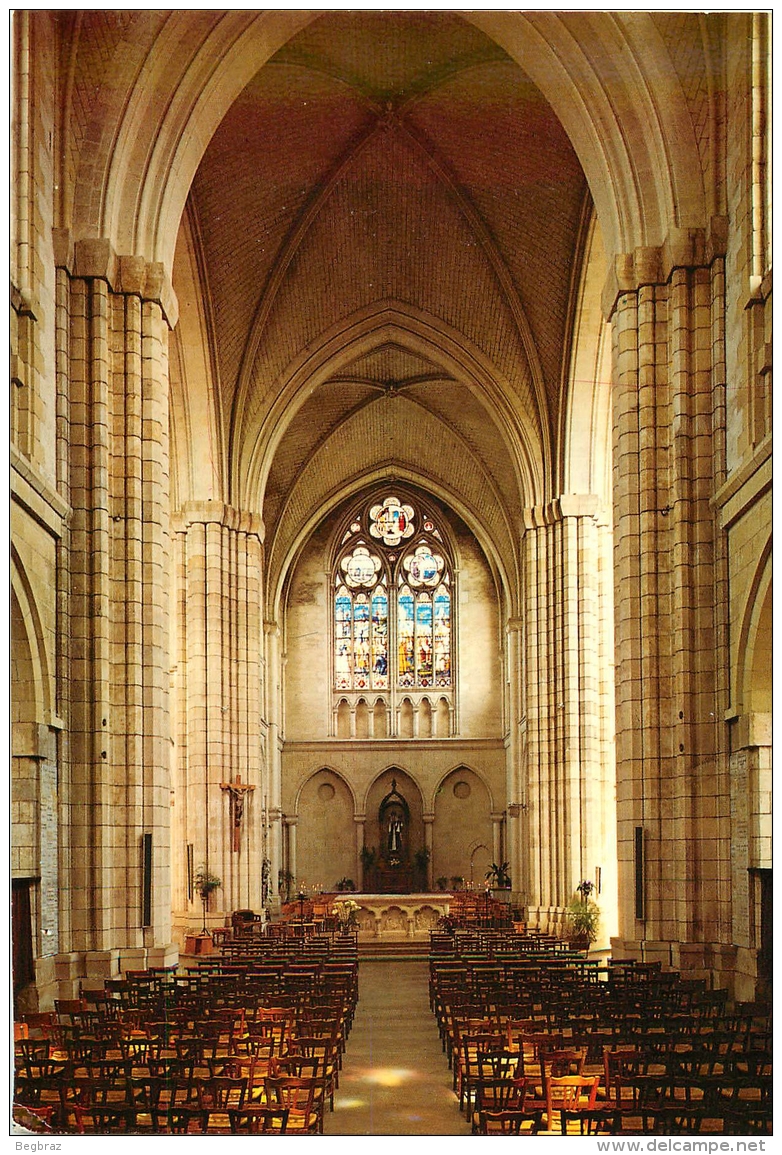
389,156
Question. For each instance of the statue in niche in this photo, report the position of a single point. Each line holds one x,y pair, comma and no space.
394,822
395,827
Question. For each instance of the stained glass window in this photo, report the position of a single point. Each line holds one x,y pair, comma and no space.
360,639
442,636
406,632
405,641
379,639
392,521
343,640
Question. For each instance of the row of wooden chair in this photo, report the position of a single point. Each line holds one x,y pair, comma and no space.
634,1092
296,1090
667,1054
203,1055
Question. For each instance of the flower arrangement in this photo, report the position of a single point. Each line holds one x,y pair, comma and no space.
204,883
345,912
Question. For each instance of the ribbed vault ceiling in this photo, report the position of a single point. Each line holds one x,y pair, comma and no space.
391,157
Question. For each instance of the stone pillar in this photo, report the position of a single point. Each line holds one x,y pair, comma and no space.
271,712
359,820
672,771
276,852
567,764
219,688
516,773
113,454
496,838
293,868
429,845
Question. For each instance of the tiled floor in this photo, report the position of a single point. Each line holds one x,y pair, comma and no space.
395,1079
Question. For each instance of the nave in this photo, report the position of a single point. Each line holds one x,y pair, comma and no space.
391,468
395,1078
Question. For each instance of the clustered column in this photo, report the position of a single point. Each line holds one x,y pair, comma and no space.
569,809
112,441
668,405
223,803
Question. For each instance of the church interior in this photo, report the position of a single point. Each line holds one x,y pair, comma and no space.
390,481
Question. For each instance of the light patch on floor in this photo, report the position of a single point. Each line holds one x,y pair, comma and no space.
387,1076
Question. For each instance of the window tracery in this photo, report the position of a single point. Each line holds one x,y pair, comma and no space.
393,603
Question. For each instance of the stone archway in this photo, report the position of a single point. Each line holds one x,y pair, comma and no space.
325,848
395,831
462,822
35,837
751,785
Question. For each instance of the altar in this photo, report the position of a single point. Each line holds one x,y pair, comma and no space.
394,915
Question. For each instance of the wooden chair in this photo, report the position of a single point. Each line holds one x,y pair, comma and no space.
509,1123
148,1095
217,1097
547,1060
568,1099
324,1049
31,1051
255,1070
466,1058
42,1025
259,1120
495,1077
300,1097
181,1112
38,1088
496,1101
638,1083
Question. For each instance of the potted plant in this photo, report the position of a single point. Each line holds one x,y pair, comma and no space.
442,882
583,916
457,881
204,884
346,884
498,877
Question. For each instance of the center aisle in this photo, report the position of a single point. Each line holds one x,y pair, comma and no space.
395,1078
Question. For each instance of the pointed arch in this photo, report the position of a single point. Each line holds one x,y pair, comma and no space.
642,166
27,619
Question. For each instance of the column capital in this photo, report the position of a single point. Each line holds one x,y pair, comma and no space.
566,505
96,258
683,248
428,817
216,512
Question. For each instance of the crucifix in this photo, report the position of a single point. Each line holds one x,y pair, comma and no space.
237,791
